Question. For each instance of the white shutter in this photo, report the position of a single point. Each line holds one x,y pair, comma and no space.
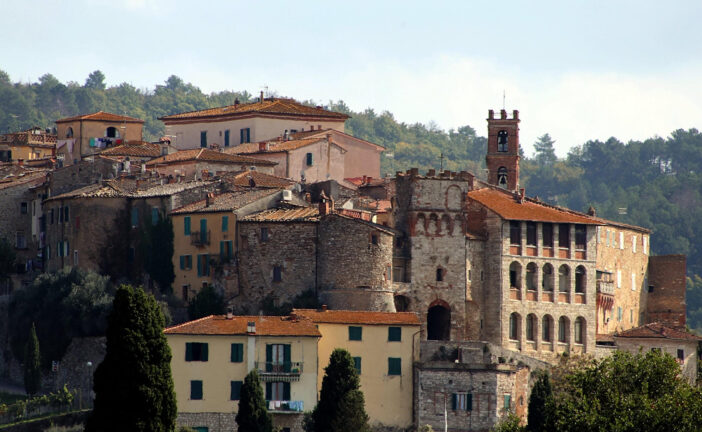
633,243
633,281
621,240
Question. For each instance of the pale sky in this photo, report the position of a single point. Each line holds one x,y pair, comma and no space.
578,70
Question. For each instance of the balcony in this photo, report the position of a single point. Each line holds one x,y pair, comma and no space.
279,371
286,407
200,238
605,287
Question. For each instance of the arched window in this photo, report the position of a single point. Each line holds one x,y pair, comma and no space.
531,327
69,132
439,274
438,323
502,177
502,141
112,132
562,329
578,330
580,279
564,278
514,324
547,277
547,328
531,277
515,275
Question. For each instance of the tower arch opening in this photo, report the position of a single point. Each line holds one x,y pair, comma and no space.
439,322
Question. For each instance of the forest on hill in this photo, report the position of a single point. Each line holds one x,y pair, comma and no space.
655,183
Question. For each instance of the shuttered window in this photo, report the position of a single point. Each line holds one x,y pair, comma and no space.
186,225
237,353
235,390
196,390
394,334
355,333
394,366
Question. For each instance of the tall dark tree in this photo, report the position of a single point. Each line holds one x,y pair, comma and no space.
133,384
540,415
341,406
253,415
32,364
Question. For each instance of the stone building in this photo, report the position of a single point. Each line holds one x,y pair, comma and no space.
34,143
197,161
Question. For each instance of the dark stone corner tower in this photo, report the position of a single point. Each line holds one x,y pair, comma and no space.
502,158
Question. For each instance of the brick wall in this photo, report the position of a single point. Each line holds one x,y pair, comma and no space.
666,303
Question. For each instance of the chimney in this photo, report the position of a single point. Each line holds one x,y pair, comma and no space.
262,146
251,327
431,173
591,211
261,96
515,114
522,192
326,204
230,312
209,199
324,308
364,180
20,162
491,114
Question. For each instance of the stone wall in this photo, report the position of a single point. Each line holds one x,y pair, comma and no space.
226,422
666,303
365,299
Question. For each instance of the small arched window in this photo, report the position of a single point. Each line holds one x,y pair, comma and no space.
515,275
546,328
564,278
502,177
547,278
580,279
578,330
112,132
531,277
531,327
502,141
439,274
69,132
514,321
562,329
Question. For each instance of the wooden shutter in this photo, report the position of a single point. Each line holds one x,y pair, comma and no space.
188,351
235,390
268,385
454,401
195,390
204,351
186,225
394,334
237,353
226,138
357,364
199,265
469,402
269,358
182,262
286,361
225,223
286,391
203,139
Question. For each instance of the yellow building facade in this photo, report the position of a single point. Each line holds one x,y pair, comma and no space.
213,355
381,344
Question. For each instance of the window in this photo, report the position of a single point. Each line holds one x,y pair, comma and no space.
507,402
203,139
514,326
264,234
23,208
621,240
502,177
580,279
278,358
619,278
226,138
226,250
185,292
203,231
394,366
515,275
562,329
374,239
547,277
277,273
308,159
580,237
195,390
277,391
355,333
135,217
357,364
21,241
237,355
48,252
186,225
531,277
681,354
65,214
69,132
578,329
235,392
186,262
439,274
244,135
546,328
201,429
502,141
547,233
515,232
564,236
154,215
631,316
51,216
225,224
462,402
644,248
619,314
394,334
203,265
564,279
633,244
196,351
531,233
531,327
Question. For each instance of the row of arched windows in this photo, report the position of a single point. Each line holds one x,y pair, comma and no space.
438,225
547,328
547,277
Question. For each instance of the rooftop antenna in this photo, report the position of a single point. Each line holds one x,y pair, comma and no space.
441,159
503,99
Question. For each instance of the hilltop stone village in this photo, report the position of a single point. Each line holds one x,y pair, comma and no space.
447,289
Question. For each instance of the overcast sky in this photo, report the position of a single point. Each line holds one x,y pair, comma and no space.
577,70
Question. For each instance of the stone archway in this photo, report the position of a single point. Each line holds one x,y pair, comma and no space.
402,303
439,321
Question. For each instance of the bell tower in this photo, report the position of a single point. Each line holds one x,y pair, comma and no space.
502,157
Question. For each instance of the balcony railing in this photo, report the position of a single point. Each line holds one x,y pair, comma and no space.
200,238
279,371
286,406
605,287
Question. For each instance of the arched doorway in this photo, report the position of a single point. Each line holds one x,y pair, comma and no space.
439,322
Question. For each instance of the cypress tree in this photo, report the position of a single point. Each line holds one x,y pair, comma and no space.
133,385
341,406
540,414
253,415
32,364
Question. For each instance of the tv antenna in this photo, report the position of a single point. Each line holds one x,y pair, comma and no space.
503,99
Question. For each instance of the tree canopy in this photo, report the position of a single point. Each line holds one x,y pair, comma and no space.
252,415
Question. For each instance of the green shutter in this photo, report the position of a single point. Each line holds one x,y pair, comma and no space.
205,350
196,390
286,391
182,262
454,401
199,265
286,359
394,334
269,359
221,250
508,402
309,159
225,223
355,333
203,139
226,138
135,217
154,216
188,351
237,353
235,390
186,225
268,391
469,402
394,366
230,247
206,265
357,364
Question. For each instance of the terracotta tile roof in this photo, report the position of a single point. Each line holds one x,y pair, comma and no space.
237,325
322,133
129,189
383,228
241,178
507,206
101,116
657,330
366,181
23,178
358,317
207,155
227,201
299,214
273,146
270,106
134,148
